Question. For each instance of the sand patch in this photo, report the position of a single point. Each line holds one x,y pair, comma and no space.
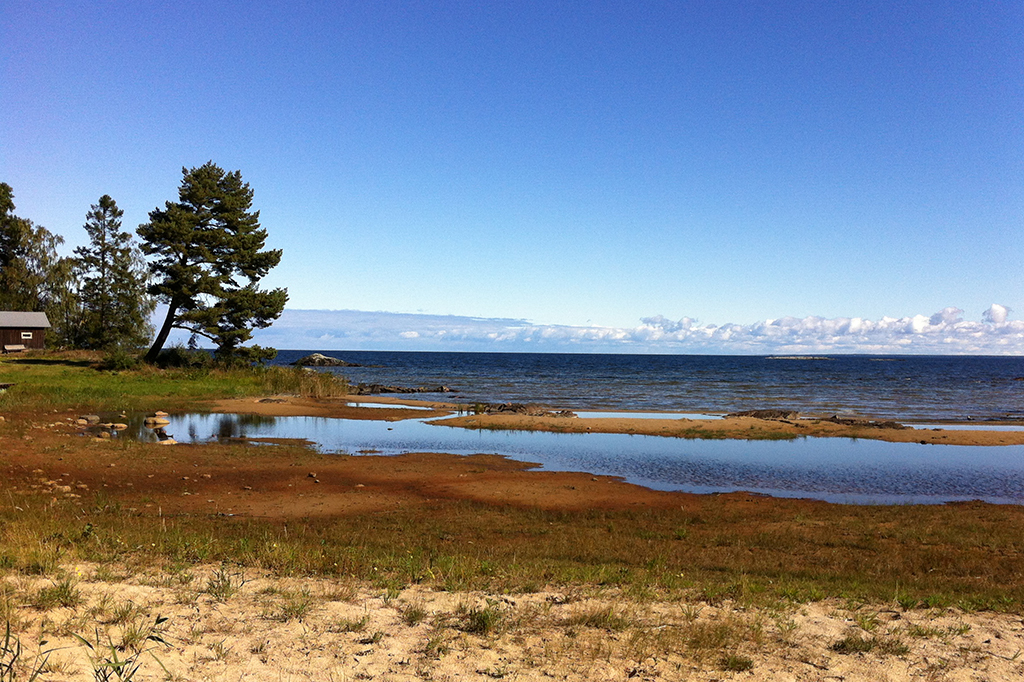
222,624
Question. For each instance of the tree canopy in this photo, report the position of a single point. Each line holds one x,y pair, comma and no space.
33,277
27,254
207,258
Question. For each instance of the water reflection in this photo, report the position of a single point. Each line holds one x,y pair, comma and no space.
834,469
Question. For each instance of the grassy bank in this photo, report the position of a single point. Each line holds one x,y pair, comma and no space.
58,381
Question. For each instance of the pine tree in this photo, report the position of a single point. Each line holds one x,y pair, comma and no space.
207,262
116,306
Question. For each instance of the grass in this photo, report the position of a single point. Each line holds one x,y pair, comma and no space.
123,660
414,614
602,618
223,585
477,620
61,593
930,555
855,644
13,663
349,625
294,607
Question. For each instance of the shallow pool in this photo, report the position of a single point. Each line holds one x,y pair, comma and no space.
834,469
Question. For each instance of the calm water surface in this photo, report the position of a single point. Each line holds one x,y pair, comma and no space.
833,469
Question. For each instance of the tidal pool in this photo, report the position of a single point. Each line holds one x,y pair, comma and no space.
833,469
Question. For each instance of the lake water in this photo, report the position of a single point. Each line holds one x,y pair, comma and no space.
904,388
833,469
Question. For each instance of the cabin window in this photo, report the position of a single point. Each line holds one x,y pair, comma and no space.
26,336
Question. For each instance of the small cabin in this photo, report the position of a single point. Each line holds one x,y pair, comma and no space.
22,331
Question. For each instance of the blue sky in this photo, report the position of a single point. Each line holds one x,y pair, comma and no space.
557,165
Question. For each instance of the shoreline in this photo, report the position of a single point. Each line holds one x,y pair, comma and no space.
740,428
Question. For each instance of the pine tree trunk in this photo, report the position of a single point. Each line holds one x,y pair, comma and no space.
165,330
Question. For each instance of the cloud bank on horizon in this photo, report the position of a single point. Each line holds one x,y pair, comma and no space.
945,333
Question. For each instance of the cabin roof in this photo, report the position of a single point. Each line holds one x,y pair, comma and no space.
14,319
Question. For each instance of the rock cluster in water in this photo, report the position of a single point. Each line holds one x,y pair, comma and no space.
373,389
775,415
320,360
869,423
528,409
783,415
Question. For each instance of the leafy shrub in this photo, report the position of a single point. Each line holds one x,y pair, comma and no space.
119,359
178,356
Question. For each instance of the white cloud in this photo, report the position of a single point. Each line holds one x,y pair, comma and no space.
945,332
948,315
996,314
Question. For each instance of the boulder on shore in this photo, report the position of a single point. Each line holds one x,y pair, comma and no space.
320,360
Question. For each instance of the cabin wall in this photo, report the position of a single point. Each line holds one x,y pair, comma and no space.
30,338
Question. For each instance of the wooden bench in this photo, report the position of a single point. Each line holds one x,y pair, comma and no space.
13,348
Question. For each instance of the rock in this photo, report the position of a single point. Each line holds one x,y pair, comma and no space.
169,441
320,360
867,423
154,422
372,389
528,409
774,415
91,418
